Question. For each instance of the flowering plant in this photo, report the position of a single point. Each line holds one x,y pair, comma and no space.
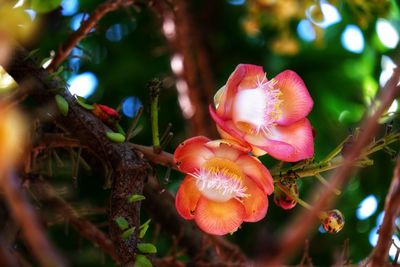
268,115
224,186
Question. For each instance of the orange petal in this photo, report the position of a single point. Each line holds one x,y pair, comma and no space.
297,102
256,204
245,76
190,155
299,135
187,197
219,218
256,171
227,149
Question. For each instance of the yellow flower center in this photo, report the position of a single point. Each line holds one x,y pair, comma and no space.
220,180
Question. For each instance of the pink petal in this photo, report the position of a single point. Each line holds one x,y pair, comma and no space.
192,153
245,76
262,145
256,171
256,204
298,135
297,102
219,218
227,125
187,197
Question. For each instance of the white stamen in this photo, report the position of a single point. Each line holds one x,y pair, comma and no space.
219,185
257,108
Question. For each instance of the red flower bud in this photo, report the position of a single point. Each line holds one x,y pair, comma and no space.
108,115
283,200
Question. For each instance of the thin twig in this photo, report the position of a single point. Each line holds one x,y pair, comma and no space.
27,219
86,26
392,208
46,193
297,231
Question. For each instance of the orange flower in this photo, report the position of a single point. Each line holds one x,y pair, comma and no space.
224,186
268,115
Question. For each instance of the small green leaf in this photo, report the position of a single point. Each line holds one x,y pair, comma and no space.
82,102
44,6
147,248
134,198
122,223
62,104
32,53
142,261
120,129
116,137
128,233
143,230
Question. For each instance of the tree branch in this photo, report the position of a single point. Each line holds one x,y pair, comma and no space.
26,218
380,254
46,193
86,26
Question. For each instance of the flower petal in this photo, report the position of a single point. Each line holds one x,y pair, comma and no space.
192,153
227,149
226,126
297,102
187,197
261,145
256,171
256,204
245,76
298,135
219,218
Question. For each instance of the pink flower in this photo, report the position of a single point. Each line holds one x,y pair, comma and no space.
268,115
224,186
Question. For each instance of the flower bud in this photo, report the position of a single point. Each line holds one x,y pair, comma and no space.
283,200
333,221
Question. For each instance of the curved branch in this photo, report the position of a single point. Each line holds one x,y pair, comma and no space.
392,209
86,26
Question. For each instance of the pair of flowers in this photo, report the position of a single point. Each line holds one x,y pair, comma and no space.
225,184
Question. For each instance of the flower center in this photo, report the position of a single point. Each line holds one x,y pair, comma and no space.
256,110
220,180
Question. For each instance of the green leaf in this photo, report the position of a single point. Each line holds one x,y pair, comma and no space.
142,231
62,104
128,233
120,129
122,223
142,261
32,53
147,248
116,137
134,198
44,6
82,102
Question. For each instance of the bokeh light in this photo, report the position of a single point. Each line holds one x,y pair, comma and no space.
367,207
387,33
69,7
236,2
76,20
387,66
330,15
83,84
131,106
305,30
352,39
